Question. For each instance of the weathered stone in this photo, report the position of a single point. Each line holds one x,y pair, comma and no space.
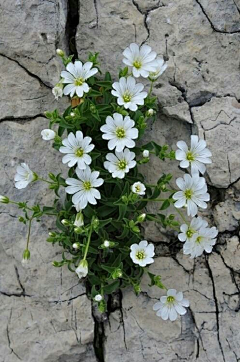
30,39
218,122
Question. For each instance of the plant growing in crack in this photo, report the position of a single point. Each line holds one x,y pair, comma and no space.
99,224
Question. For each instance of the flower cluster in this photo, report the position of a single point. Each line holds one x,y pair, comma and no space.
99,223
196,235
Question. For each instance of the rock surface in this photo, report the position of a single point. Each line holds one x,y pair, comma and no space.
45,314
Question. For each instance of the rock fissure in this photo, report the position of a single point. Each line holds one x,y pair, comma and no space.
216,307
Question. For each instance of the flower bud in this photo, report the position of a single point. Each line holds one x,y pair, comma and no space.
72,114
65,222
78,230
51,234
21,219
26,255
82,269
106,243
60,52
98,298
150,112
117,273
76,246
145,153
141,218
4,199
79,220
95,223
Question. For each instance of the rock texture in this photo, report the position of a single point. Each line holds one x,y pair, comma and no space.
45,314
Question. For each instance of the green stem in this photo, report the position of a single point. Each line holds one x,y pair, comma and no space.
29,231
151,87
154,200
182,216
88,243
43,179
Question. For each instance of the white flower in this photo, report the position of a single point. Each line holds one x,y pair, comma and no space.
171,305
79,220
193,194
128,93
24,176
142,60
77,149
145,153
76,77
57,91
120,163
106,243
98,298
84,190
187,231
82,269
142,253
197,156
203,239
138,188
48,134
120,132
159,69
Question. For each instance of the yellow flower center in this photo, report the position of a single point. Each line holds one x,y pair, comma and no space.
189,233
140,255
198,240
120,133
122,165
127,96
190,156
170,299
137,64
188,194
79,152
79,81
87,185
137,188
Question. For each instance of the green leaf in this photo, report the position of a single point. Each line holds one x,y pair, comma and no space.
110,288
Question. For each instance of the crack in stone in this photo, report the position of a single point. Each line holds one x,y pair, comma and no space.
211,24
184,95
41,82
73,16
96,10
146,14
216,306
67,300
22,119
8,337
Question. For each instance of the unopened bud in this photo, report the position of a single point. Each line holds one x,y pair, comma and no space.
76,246
141,218
72,114
65,222
95,223
26,255
98,298
4,199
78,230
150,112
79,220
145,153
60,52
51,234
21,219
106,243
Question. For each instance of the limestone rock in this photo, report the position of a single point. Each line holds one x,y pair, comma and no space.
218,122
32,36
